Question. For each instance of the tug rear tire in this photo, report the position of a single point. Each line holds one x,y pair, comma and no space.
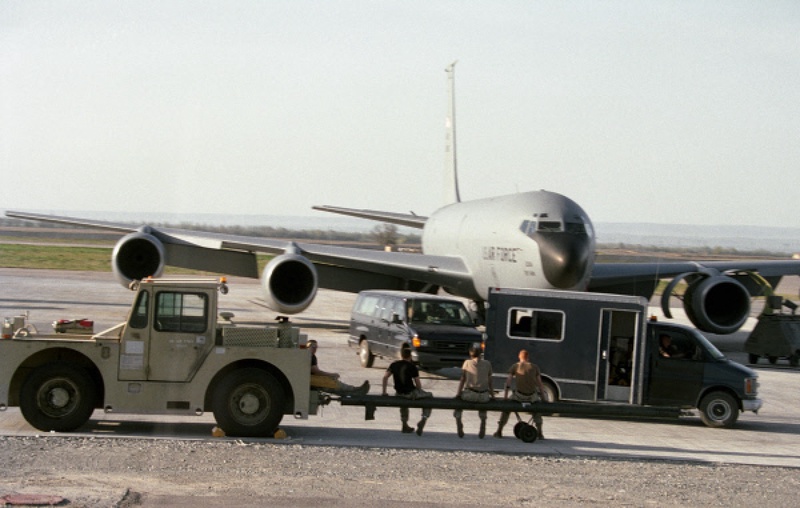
248,403
58,397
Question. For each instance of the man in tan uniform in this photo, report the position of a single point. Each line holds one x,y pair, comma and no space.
475,386
329,381
528,388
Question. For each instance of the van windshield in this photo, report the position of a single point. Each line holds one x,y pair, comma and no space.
438,312
711,348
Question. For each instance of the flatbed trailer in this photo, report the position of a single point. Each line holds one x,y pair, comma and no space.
372,402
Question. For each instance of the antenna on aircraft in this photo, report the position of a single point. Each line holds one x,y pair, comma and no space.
451,194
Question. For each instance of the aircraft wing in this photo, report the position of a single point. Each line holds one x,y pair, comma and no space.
340,268
401,219
641,278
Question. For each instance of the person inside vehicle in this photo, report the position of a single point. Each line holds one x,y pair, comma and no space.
667,349
329,381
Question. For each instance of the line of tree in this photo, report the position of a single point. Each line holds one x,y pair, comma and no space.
381,235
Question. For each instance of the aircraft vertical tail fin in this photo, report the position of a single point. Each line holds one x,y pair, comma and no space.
451,194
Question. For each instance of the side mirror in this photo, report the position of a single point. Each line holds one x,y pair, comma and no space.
396,319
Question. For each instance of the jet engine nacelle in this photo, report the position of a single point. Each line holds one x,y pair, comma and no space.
717,304
136,256
290,283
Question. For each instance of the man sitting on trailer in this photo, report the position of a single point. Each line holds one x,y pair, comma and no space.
329,381
475,386
407,385
528,388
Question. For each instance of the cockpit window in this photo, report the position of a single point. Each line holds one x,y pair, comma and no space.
531,227
549,226
577,228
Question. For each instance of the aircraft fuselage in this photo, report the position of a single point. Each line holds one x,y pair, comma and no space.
536,239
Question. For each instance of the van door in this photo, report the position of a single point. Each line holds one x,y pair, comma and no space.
615,365
676,369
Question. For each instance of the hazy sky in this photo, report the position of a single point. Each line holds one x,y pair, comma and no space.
668,112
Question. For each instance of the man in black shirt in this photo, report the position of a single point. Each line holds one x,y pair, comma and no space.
407,384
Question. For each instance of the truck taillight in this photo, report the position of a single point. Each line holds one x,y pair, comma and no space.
751,386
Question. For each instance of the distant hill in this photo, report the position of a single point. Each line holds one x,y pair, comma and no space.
743,238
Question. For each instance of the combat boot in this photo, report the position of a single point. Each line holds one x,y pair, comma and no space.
345,389
363,389
421,425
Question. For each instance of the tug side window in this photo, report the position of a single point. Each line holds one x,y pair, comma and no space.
181,312
140,311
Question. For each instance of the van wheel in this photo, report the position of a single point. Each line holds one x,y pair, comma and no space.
794,360
57,397
550,393
752,358
365,355
248,403
772,359
719,409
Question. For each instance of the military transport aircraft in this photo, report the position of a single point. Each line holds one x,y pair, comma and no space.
535,239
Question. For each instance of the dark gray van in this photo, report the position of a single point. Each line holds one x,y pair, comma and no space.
438,330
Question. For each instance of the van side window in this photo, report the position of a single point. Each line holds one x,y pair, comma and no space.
536,324
386,307
678,346
181,312
368,305
398,307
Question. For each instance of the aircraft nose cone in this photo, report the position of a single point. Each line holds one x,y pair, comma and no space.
565,258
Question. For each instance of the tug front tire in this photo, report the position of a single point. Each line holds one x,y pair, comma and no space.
248,403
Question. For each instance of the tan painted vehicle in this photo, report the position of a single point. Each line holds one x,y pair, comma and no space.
173,355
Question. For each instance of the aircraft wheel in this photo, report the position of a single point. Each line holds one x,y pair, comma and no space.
752,358
518,429
248,403
528,433
365,355
719,409
57,397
